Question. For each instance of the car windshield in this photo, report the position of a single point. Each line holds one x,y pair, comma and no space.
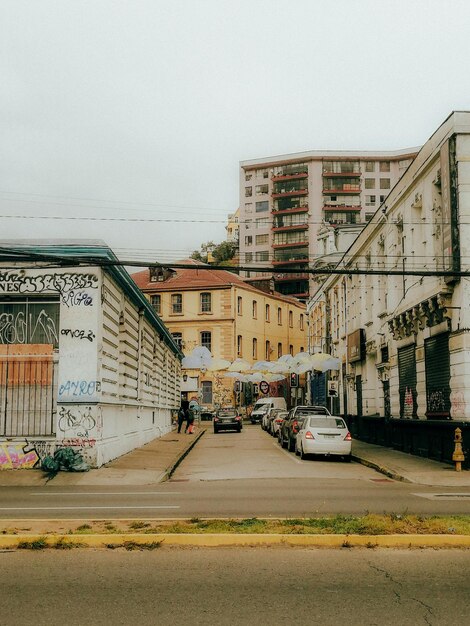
317,410
262,408
227,413
326,422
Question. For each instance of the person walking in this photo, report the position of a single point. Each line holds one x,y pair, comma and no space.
182,414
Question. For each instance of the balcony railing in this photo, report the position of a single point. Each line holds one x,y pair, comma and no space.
294,169
286,191
289,244
338,168
279,278
337,186
289,177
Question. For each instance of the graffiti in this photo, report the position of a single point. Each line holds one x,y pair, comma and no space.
79,388
459,405
18,455
42,448
77,420
437,402
79,442
78,334
77,298
69,286
22,328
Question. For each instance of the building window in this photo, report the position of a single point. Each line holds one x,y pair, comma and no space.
156,302
248,192
239,345
263,255
369,216
291,350
268,351
206,303
382,198
260,239
279,350
262,206
178,337
384,166
248,257
206,340
176,303
261,189
248,207
301,322
291,319
206,387
370,166
385,183
255,309
369,183
268,313
279,315
248,240
248,176
255,349
370,200
239,305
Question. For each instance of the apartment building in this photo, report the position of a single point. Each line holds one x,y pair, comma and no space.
284,201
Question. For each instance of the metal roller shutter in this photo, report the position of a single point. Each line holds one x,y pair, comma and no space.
437,363
407,382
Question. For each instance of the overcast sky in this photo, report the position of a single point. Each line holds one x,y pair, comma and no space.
144,108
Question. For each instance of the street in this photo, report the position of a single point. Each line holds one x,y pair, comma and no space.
239,475
359,587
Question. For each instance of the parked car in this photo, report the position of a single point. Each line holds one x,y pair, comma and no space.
277,416
288,430
227,419
207,415
263,405
327,435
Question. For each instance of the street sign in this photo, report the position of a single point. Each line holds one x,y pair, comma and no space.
333,388
264,387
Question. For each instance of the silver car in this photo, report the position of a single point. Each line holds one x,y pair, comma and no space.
323,434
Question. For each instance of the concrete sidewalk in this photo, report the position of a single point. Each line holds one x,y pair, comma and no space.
409,468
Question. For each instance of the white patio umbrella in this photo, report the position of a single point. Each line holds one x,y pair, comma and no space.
262,366
239,365
199,358
217,365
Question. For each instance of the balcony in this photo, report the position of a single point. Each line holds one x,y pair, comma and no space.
342,187
284,172
339,208
281,177
290,210
353,175
289,227
280,278
287,191
341,168
290,261
290,244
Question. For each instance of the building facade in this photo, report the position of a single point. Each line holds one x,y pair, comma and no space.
397,314
84,360
218,310
284,200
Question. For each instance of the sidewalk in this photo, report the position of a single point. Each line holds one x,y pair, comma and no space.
409,468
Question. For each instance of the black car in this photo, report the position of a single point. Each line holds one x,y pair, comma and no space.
227,419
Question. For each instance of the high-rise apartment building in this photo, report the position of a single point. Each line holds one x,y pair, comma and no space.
284,200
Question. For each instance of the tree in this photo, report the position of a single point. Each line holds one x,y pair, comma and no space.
220,253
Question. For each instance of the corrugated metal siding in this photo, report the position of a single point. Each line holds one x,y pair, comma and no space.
437,362
407,381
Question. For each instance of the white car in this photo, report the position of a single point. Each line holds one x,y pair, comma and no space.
324,434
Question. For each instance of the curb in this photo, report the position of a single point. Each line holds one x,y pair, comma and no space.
167,473
240,540
380,468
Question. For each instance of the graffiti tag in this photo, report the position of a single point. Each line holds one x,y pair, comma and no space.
79,421
78,334
17,456
79,388
79,442
22,328
69,286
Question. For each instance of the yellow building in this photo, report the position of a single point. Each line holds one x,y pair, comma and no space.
218,310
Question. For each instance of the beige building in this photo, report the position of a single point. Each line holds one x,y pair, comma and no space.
218,310
284,201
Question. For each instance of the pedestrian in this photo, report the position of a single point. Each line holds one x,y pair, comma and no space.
190,422
183,414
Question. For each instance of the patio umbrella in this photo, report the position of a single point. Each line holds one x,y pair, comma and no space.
217,365
199,358
262,366
239,365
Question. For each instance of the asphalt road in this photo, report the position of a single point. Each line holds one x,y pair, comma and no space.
266,586
243,474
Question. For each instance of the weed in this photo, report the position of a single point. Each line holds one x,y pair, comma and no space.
346,544
138,525
34,544
63,544
84,527
135,545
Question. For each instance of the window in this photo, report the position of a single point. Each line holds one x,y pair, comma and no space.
206,387
268,313
239,305
249,257
279,315
268,351
262,173
291,319
291,350
262,206
255,309
176,303
260,239
370,200
263,255
248,192
239,345
156,302
248,207
261,189
178,337
255,349
248,176
382,198
301,324
206,303
262,221
369,216
369,183
370,166
279,350
384,166
385,183
206,340
28,321
248,240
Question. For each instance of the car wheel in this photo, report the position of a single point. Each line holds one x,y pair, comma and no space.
239,429
347,458
290,445
283,443
303,456
297,451
216,431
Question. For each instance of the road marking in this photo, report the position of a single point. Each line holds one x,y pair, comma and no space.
444,496
80,508
107,493
288,454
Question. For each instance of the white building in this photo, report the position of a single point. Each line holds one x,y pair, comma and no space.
84,359
404,334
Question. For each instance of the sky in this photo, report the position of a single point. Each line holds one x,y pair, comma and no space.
135,114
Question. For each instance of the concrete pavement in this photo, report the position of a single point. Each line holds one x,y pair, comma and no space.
156,461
